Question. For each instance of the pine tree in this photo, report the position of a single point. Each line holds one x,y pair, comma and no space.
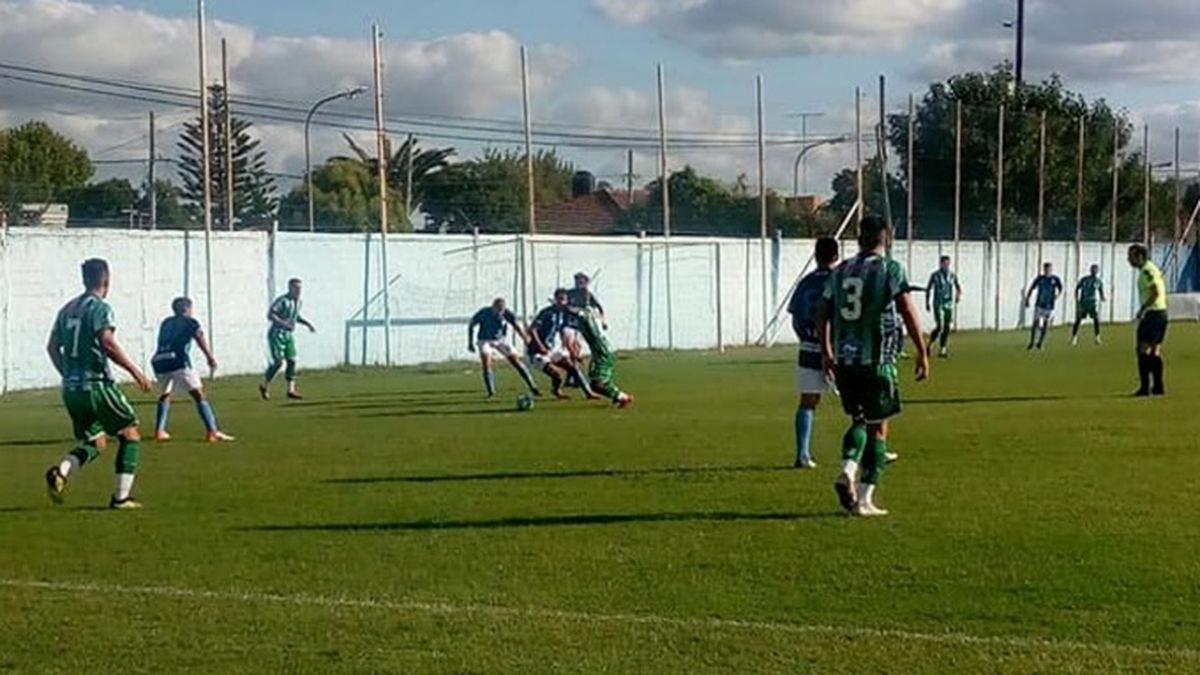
254,199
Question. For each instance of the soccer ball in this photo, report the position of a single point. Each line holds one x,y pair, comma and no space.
524,403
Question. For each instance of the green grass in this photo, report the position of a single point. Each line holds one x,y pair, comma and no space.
396,522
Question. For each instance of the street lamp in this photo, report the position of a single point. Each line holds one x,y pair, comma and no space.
804,117
349,95
804,153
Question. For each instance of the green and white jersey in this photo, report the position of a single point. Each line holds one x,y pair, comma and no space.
1089,290
944,287
288,309
589,328
78,329
866,325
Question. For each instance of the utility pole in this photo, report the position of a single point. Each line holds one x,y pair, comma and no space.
804,116
228,137
629,178
408,178
1020,65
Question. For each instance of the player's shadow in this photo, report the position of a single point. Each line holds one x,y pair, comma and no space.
566,520
553,475
383,396
435,412
34,442
962,400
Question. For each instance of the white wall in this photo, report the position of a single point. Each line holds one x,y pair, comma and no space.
439,281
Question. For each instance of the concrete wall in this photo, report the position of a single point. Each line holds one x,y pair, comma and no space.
436,282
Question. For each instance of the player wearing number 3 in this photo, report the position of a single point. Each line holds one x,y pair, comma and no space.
860,336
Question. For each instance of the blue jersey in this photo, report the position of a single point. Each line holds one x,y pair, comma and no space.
1048,288
175,336
493,325
549,325
804,307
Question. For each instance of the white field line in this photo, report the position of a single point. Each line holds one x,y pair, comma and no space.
525,613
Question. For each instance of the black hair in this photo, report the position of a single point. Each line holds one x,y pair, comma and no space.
294,281
180,305
1141,250
944,258
95,272
561,292
827,250
871,232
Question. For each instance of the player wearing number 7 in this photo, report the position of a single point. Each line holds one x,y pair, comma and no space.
864,300
81,344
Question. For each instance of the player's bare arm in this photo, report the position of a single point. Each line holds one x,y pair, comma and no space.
305,322
823,331
54,349
471,335
202,343
278,321
108,342
908,311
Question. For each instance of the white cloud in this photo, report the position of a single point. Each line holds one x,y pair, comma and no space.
467,74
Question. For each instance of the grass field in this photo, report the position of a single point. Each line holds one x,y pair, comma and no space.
396,522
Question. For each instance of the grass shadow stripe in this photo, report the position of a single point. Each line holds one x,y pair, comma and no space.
947,638
554,475
541,521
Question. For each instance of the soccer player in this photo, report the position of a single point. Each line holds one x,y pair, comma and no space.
811,381
81,344
604,357
580,296
1048,288
172,364
944,293
859,333
1089,293
1152,321
544,347
284,315
493,323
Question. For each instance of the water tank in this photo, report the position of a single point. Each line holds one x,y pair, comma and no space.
583,183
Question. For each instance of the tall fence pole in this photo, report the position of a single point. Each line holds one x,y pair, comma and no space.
999,215
1041,204
910,206
1176,215
958,128
1146,235
762,196
228,127
529,187
1079,197
381,150
1112,234
665,183
720,298
152,174
206,160
859,198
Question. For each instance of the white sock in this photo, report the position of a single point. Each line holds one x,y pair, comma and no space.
850,468
69,464
866,494
291,386
124,486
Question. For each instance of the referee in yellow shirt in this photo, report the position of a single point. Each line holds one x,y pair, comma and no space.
1152,321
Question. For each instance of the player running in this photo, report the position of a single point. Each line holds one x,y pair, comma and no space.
544,348
172,364
1152,321
858,328
493,323
944,293
811,381
284,316
1089,293
81,344
1048,288
604,357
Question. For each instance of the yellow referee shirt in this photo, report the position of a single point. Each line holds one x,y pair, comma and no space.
1149,280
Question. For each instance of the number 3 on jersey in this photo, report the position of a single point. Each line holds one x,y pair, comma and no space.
852,292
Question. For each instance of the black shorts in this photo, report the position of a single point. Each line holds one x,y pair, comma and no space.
1152,329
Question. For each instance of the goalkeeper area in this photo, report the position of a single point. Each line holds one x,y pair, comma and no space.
395,521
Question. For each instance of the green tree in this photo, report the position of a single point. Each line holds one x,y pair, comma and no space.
845,189
107,202
345,198
491,192
426,163
38,166
254,199
172,213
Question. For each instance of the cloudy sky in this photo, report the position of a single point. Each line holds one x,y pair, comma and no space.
453,74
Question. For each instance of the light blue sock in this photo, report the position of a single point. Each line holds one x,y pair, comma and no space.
207,415
164,411
804,425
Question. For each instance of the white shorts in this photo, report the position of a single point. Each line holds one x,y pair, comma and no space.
1043,314
556,355
486,347
184,379
571,337
811,381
